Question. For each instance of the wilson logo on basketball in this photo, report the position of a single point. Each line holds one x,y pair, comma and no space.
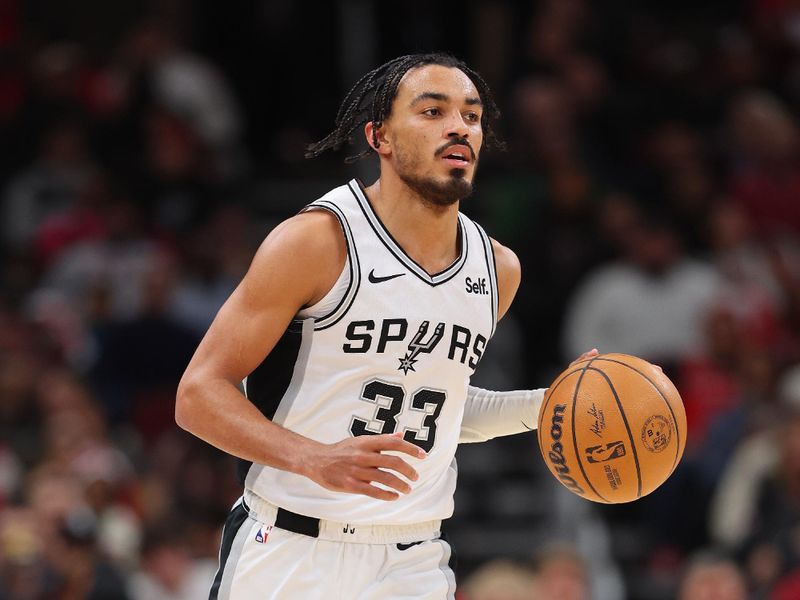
656,433
603,453
556,453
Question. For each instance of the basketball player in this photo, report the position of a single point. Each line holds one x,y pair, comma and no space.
355,332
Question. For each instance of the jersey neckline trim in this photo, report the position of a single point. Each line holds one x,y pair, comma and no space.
395,249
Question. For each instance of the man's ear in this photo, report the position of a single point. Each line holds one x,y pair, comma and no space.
374,132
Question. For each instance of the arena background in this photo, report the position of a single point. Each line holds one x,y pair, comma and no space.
650,187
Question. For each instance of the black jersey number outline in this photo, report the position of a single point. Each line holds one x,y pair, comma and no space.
389,399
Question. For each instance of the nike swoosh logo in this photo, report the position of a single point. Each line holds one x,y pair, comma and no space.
407,546
373,279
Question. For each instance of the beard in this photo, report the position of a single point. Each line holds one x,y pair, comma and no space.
438,192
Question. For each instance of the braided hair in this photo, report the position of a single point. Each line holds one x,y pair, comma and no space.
371,98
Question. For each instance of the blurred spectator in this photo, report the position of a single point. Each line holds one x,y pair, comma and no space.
650,304
23,357
66,530
66,326
754,288
770,548
82,220
765,176
25,572
682,182
734,507
141,351
85,573
500,580
709,577
113,268
546,130
745,328
186,84
216,256
169,571
10,474
555,30
561,574
178,182
50,185
709,380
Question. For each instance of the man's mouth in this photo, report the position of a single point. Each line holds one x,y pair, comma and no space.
457,156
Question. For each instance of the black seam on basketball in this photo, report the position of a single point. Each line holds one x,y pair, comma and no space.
548,394
664,398
574,437
627,427
563,377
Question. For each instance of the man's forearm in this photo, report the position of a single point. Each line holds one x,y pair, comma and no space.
489,414
217,412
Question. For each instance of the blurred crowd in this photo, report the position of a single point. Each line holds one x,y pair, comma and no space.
651,188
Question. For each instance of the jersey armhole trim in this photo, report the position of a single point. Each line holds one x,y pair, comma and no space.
491,266
354,283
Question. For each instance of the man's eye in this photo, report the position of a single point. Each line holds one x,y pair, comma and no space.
431,112
472,116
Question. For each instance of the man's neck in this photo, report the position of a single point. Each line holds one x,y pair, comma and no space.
427,232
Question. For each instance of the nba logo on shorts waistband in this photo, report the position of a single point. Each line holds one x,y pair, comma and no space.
262,534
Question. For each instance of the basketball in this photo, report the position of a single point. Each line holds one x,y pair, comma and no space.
612,428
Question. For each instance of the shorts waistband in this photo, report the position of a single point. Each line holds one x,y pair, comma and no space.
269,514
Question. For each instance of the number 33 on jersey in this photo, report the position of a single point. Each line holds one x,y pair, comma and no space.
389,349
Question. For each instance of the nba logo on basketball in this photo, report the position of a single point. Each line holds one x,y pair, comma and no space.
262,534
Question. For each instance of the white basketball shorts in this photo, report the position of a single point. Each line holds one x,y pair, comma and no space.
270,553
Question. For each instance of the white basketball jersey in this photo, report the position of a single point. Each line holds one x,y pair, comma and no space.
394,354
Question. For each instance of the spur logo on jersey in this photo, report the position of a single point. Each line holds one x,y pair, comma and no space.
418,345
464,346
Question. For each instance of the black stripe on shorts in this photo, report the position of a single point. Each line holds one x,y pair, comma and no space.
453,562
232,525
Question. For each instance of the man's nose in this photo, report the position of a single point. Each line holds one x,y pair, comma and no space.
457,127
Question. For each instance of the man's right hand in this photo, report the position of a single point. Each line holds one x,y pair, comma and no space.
352,465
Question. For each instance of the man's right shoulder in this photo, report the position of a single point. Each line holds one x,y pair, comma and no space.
306,252
313,232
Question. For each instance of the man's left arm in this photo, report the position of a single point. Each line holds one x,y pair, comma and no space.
489,414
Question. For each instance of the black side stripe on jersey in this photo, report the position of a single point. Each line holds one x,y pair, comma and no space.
491,266
353,285
397,251
233,523
267,385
